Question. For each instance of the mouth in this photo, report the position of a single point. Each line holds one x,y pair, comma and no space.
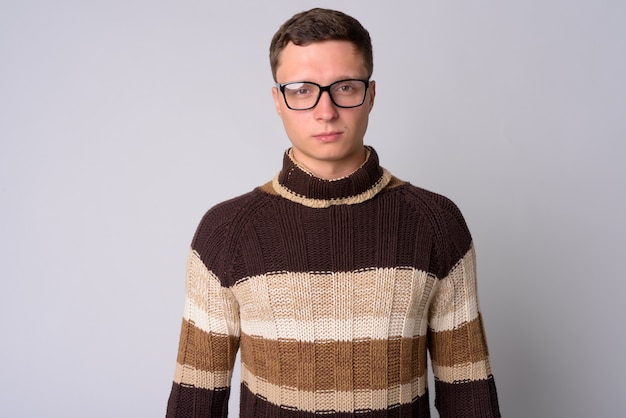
328,136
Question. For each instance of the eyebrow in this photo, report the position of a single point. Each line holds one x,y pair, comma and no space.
340,78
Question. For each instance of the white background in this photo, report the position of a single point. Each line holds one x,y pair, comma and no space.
122,122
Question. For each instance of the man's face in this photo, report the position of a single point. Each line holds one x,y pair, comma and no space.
328,140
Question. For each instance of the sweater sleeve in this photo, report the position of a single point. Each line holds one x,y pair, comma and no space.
208,344
464,384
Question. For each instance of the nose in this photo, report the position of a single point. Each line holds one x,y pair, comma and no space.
325,109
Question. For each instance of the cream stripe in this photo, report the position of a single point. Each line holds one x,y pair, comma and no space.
188,375
329,330
210,306
480,370
456,299
334,400
274,306
325,203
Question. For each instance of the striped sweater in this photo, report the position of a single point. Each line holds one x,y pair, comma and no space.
334,291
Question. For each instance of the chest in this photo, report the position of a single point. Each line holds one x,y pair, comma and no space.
316,306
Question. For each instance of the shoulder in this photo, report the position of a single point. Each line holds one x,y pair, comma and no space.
450,234
429,203
227,210
219,225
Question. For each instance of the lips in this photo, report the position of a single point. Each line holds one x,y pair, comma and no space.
328,136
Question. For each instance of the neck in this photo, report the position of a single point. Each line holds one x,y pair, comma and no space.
331,169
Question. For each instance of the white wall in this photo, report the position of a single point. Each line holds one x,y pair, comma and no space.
121,122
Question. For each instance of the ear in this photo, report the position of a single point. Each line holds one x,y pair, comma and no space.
372,94
275,94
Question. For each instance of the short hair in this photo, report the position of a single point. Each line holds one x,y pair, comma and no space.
318,25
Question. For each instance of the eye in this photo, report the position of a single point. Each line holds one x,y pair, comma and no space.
345,87
298,89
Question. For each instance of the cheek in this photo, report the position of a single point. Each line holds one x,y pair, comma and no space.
360,121
294,125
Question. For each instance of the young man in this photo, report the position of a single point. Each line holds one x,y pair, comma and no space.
335,278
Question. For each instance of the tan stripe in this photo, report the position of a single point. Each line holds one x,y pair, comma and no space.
461,346
325,203
342,366
456,299
480,370
334,400
395,182
376,304
210,306
269,189
187,375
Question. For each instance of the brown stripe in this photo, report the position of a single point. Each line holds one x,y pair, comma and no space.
250,403
185,401
335,365
467,399
425,229
462,345
206,351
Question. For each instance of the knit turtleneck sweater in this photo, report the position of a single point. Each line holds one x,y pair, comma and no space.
333,291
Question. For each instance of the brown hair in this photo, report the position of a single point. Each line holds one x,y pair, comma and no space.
318,25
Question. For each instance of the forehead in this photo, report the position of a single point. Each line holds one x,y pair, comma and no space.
322,62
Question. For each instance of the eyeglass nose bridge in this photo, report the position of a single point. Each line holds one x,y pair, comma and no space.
327,90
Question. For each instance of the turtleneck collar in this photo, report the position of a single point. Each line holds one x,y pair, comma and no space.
296,183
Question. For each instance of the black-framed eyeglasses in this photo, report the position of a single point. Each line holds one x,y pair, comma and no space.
304,95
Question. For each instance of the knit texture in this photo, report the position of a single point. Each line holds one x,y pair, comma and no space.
333,291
